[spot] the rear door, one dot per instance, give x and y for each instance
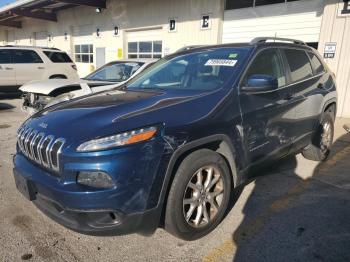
(28, 65)
(306, 84)
(7, 72)
(266, 115)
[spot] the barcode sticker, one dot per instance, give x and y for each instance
(221, 62)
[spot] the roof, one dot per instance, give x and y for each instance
(259, 41)
(29, 47)
(12, 14)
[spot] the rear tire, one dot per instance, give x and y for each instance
(321, 144)
(199, 195)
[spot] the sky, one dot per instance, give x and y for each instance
(5, 2)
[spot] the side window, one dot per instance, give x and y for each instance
(25, 57)
(58, 57)
(316, 63)
(5, 57)
(299, 64)
(268, 62)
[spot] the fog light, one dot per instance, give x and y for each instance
(95, 179)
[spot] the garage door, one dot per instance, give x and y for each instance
(298, 19)
(41, 39)
(144, 44)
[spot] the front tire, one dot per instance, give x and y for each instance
(199, 195)
(321, 143)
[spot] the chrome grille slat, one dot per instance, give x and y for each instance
(34, 135)
(37, 142)
(43, 149)
(56, 165)
(22, 139)
(25, 141)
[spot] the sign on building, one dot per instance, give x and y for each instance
(172, 25)
(329, 50)
(205, 22)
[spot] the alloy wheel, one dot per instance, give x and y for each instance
(326, 137)
(203, 196)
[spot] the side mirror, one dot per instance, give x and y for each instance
(260, 83)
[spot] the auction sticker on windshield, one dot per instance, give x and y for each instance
(221, 62)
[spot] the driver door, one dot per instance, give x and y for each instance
(266, 114)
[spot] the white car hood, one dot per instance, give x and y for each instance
(47, 86)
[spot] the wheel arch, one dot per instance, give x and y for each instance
(331, 105)
(218, 143)
(61, 76)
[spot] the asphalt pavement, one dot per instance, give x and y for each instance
(297, 210)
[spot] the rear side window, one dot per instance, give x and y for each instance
(5, 57)
(268, 62)
(299, 64)
(316, 63)
(25, 57)
(58, 57)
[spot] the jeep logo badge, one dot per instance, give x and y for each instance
(43, 125)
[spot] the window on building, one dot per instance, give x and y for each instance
(236, 4)
(145, 49)
(5, 57)
(58, 57)
(84, 53)
(25, 57)
(269, 63)
(316, 63)
(299, 64)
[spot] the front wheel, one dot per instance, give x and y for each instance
(199, 195)
(321, 144)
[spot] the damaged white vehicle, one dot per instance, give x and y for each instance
(40, 94)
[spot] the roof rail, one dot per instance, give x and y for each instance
(28, 46)
(258, 40)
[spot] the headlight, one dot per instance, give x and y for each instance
(126, 138)
(95, 179)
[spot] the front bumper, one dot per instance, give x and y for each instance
(133, 206)
(99, 222)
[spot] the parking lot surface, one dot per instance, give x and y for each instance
(298, 210)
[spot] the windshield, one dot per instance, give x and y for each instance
(116, 72)
(203, 70)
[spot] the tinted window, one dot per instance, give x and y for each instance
(316, 63)
(299, 64)
(25, 57)
(205, 70)
(235, 4)
(58, 57)
(268, 62)
(117, 72)
(268, 2)
(5, 57)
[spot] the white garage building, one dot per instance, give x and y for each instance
(94, 32)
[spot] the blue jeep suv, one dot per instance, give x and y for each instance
(168, 148)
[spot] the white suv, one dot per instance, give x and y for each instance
(19, 65)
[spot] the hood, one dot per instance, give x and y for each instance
(116, 111)
(48, 86)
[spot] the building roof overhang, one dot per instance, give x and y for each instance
(11, 15)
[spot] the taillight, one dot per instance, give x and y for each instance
(74, 67)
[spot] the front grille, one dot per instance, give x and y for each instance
(42, 148)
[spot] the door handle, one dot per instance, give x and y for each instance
(40, 67)
(8, 68)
